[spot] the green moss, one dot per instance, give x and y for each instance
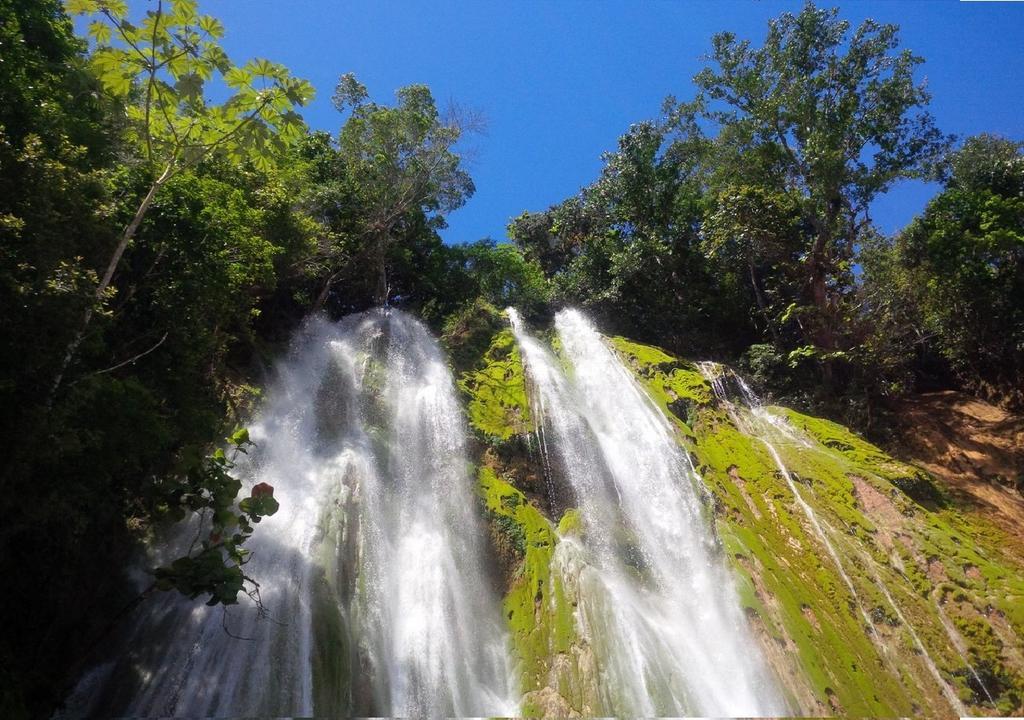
(668, 378)
(538, 613)
(807, 598)
(885, 519)
(804, 602)
(496, 391)
(468, 333)
(864, 455)
(571, 523)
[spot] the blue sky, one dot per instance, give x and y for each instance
(559, 82)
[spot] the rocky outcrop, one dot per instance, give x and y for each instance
(555, 670)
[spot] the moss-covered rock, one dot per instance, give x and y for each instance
(537, 604)
(539, 617)
(571, 523)
(468, 333)
(496, 391)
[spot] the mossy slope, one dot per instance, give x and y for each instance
(952, 576)
(496, 391)
(537, 605)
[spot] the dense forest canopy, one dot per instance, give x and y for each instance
(157, 247)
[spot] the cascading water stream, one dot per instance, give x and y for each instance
(958, 643)
(434, 638)
(763, 425)
(656, 602)
(373, 567)
(929, 662)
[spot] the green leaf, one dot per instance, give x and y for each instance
(189, 86)
(80, 7)
(183, 12)
(237, 77)
(262, 67)
(100, 32)
(226, 518)
(259, 507)
(211, 26)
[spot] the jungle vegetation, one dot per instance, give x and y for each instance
(158, 248)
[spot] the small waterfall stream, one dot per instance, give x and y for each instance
(763, 426)
(767, 428)
(657, 604)
(373, 569)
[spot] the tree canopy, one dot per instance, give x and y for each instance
(829, 118)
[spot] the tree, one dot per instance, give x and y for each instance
(965, 256)
(760, 230)
(503, 276)
(56, 138)
(837, 118)
(159, 70)
(125, 443)
(405, 170)
(628, 245)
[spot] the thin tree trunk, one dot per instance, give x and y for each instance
(108, 276)
(763, 305)
(822, 333)
(325, 291)
(383, 291)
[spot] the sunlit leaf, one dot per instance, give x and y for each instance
(212, 26)
(100, 32)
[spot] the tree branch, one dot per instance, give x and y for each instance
(129, 361)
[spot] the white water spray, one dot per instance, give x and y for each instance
(658, 606)
(373, 567)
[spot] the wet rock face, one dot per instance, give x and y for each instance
(952, 570)
(332, 407)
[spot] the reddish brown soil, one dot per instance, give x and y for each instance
(974, 448)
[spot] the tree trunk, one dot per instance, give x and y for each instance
(101, 289)
(383, 290)
(763, 305)
(325, 291)
(822, 334)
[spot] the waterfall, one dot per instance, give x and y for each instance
(656, 601)
(373, 569)
(767, 428)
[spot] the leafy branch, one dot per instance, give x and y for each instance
(158, 70)
(214, 564)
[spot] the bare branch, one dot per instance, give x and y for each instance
(224, 626)
(130, 360)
